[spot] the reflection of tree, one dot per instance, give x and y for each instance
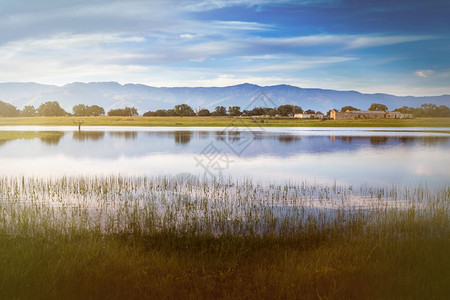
(220, 135)
(203, 134)
(182, 137)
(378, 140)
(283, 138)
(406, 139)
(234, 136)
(128, 135)
(52, 139)
(434, 140)
(347, 139)
(83, 136)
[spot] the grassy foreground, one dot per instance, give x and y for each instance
(151, 238)
(223, 122)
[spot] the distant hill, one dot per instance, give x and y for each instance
(114, 95)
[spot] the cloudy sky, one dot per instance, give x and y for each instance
(400, 47)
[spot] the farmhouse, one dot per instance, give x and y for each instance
(309, 116)
(367, 114)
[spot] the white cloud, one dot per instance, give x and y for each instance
(424, 73)
(239, 25)
(376, 41)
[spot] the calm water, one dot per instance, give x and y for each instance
(347, 155)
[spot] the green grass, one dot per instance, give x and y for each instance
(115, 237)
(223, 122)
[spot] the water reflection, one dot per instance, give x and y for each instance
(84, 136)
(378, 140)
(52, 139)
(128, 135)
(288, 138)
(284, 156)
(182, 137)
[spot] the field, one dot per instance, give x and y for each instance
(116, 237)
(223, 122)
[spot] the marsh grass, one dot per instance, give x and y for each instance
(140, 237)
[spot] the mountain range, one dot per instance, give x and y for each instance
(111, 95)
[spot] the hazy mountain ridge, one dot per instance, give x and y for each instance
(114, 95)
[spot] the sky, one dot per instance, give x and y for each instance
(372, 46)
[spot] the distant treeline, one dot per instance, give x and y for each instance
(426, 110)
(52, 108)
(219, 111)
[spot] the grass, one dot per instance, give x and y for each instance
(223, 122)
(116, 237)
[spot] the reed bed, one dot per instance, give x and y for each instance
(229, 238)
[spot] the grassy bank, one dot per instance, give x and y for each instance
(150, 237)
(223, 122)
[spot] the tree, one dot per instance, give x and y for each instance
(220, 111)
(96, 111)
(297, 109)
(149, 114)
(29, 111)
(183, 110)
(204, 112)
(86, 111)
(378, 107)
(310, 111)
(123, 112)
(234, 111)
(286, 110)
(8, 110)
(426, 110)
(51, 109)
(80, 110)
(350, 108)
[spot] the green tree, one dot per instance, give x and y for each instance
(96, 111)
(88, 111)
(29, 111)
(51, 109)
(234, 111)
(8, 110)
(378, 107)
(310, 111)
(350, 108)
(204, 112)
(183, 110)
(80, 110)
(297, 109)
(123, 112)
(286, 110)
(220, 111)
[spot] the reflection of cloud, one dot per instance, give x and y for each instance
(423, 170)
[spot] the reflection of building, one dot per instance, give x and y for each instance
(309, 116)
(367, 114)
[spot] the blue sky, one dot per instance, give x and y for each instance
(397, 47)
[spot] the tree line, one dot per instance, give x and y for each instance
(233, 111)
(52, 108)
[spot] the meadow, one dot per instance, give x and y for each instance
(140, 237)
(222, 122)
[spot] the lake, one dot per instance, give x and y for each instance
(351, 156)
